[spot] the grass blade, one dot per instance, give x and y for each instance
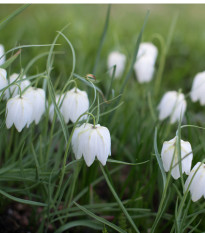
(6, 20)
(102, 39)
(21, 200)
(159, 158)
(84, 223)
(100, 219)
(118, 200)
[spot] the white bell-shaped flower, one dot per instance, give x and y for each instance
(198, 88)
(169, 152)
(19, 111)
(144, 69)
(145, 62)
(37, 98)
(90, 142)
(59, 99)
(14, 89)
(2, 59)
(172, 104)
(75, 104)
(116, 59)
(197, 185)
(148, 49)
(3, 81)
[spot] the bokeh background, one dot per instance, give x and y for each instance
(38, 25)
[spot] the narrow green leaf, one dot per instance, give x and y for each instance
(21, 200)
(6, 20)
(100, 219)
(159, 158)
(78, 223)
(118, 200)
(102, 39)
(125, 163)
(8, 62)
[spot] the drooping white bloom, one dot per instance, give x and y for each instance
(197, 186)
(169, 152)
(198, 88)
(14, 89)
(37, 98)
(2, 59)
(59, 99)
(90, 142)
(3, 80)
(75, 104)
(118, 59)
(144, 69)
(145, 62)
(172, 104)
(19, 111)
(148, 49)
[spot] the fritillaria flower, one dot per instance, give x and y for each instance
(37, 98)
(198, 88)
(3, 80)
(145, 62)
(2, 59)
(116, 59)
(19, 111)
(91, 141)
(75, 104)
(172, 105)
(170, 156)
(196, 180)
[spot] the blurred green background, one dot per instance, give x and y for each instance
(38, 25)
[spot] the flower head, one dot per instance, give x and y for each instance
(75, 104)
(197, 185)
(2, 59)
(144, 65)
(3, 80)
(170, 152)
(37, 98)
(14, 89)
(172, 104)
(19, 111)
(90, 142)
(118, 59)
(198, 88)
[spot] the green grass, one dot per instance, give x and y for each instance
(37, 166)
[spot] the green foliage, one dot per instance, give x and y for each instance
(132, 193)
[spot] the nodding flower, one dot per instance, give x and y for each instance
(91, 141)
(195, 182)
(170, 156)
(173, 105)
(117, 59)
(145, 62)
(19, 111)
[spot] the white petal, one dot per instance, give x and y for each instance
(147, 49)
(3, 59)
(144, 69)
(166, 104)
(116, 59)
(75, 104)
